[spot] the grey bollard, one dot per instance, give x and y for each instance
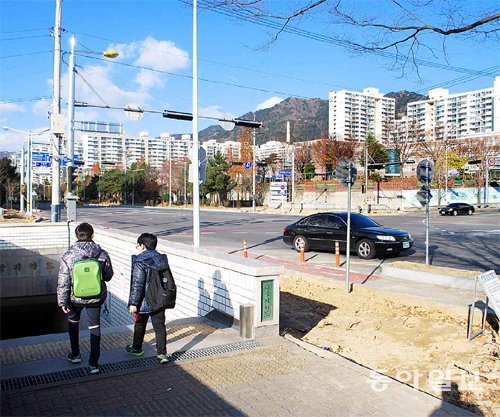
(247, 321)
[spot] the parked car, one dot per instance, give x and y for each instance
(368, 238)
(454, 209)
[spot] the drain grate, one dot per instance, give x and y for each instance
(59, 376)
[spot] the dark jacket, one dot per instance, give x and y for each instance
(142, 266)
(79, 250)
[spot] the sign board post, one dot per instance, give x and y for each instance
(347, 173)
(491, 286)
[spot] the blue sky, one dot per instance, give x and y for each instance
(158, 34)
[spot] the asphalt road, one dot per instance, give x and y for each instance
(466, 242)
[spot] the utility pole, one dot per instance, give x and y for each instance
(196, 143)
(170, 171)
(253, 168)
(21, 193)
(30, 174)
(71, 118)
(55, 118)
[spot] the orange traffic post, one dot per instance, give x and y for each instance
(337, 253)
(245, 250)
(302, 256)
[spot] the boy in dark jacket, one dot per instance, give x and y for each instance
(142, 266)
(85, 247)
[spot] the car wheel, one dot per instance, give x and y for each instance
(442, 214)
(365, 249)
(299, 242)
(455, 213)
(469, 212)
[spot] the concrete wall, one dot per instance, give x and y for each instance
(29, 258)
(207, 281)
(336, 199)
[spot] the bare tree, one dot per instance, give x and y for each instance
(403, 138)
(401, 27)
(302, 157)
(478, 150)
(327, 152)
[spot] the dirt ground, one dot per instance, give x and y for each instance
(13, 216)
(418, 342)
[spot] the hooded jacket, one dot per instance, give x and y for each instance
(82, 249)
(142, 266)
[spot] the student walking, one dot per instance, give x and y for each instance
(147, 268)
(85, 268)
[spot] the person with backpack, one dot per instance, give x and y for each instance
(84, 270)
(152, 290)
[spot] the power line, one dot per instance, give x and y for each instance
(261, 21)
(26, 54)
(21, 100)
(24, 30)
(24, 37)
(199, 79)
(457, 81)
(213, 62)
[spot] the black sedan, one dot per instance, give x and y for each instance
(454, 209)
(368, 238)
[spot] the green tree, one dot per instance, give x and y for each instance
(376, 151)
(309, 171)
(111, 184)
(218, 181)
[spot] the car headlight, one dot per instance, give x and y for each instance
(409, 236)
(386, 238)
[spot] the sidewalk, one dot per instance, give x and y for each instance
(373, 279)
(219, 375)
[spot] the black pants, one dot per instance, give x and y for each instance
(94, 315)
(158, 321)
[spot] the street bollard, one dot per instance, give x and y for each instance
(302, 256)
(247, 321)
(337, 253)
(245, 250)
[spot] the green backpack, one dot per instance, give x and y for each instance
(86, 278)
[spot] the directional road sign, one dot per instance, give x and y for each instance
(248, 165)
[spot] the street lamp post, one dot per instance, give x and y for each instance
(71, 110)
(29, 165)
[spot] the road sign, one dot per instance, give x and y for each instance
(248, 165)
(425, 171)
(285, 172)
(277, 190)
(40, 156)
(493, 162)
(233, 191)
(346, 170)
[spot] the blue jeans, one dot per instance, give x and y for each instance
(94, 315)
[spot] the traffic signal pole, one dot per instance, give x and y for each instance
(427, 217)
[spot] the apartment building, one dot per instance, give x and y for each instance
(112, 149)
(271, 147)
(456, 115)
(352, 115)
(225, 148)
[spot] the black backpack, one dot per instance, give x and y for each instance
(161, 291)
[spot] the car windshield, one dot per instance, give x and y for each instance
(358, 221)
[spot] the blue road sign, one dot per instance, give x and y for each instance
(40, 157)
(248, 165)
(285, 172)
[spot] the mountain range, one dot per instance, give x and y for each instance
(308, 119)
